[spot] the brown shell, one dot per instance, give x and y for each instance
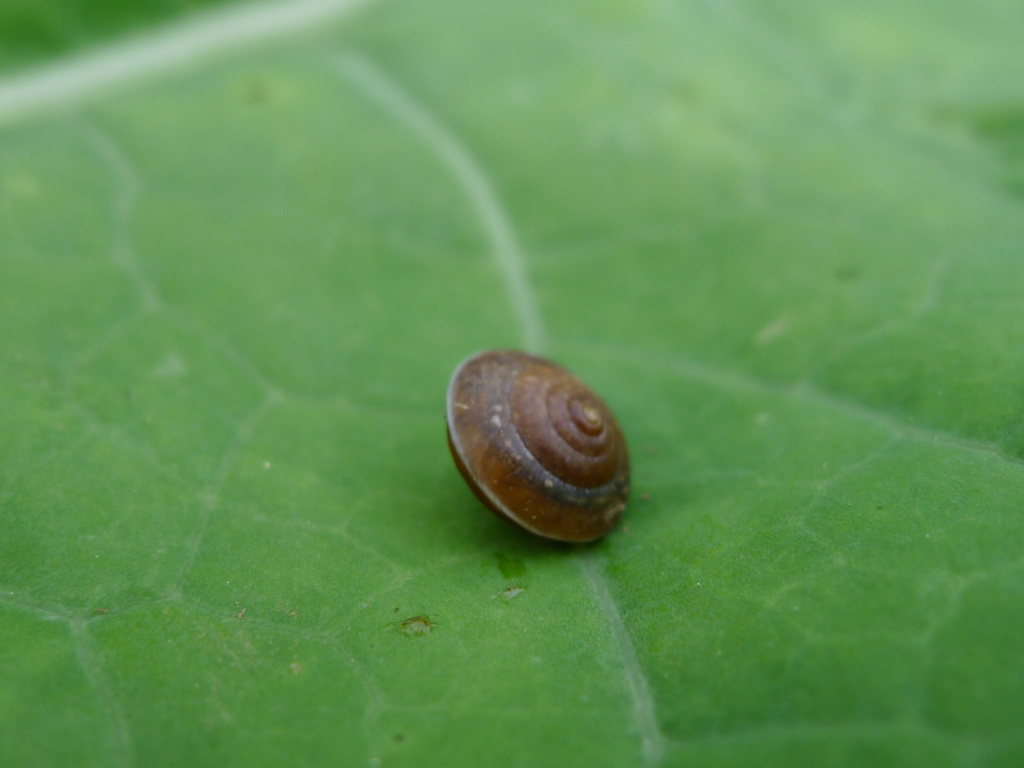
(537, 445)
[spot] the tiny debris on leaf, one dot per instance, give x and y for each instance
(416, 625)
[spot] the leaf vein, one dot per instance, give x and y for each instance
(94, 672)
(740, 381)
(651, 737)
(130, 187)
(200, 36)
(457, 157)
(208, 497)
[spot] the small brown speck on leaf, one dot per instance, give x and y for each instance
(416, 625)
(645, 497)
(511, 593)
(848, 272)
(256, 91)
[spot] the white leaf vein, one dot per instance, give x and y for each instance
(457, 157)
(82, 76)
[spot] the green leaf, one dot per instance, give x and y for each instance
(241, 254)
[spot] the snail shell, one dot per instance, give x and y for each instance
(537, 445)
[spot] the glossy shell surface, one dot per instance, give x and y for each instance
(537, 446)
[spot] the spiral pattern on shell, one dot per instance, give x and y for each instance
(537, 445)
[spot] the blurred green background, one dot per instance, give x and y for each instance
(243, 248)
(34, 30)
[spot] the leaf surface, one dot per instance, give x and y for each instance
(782, 239)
